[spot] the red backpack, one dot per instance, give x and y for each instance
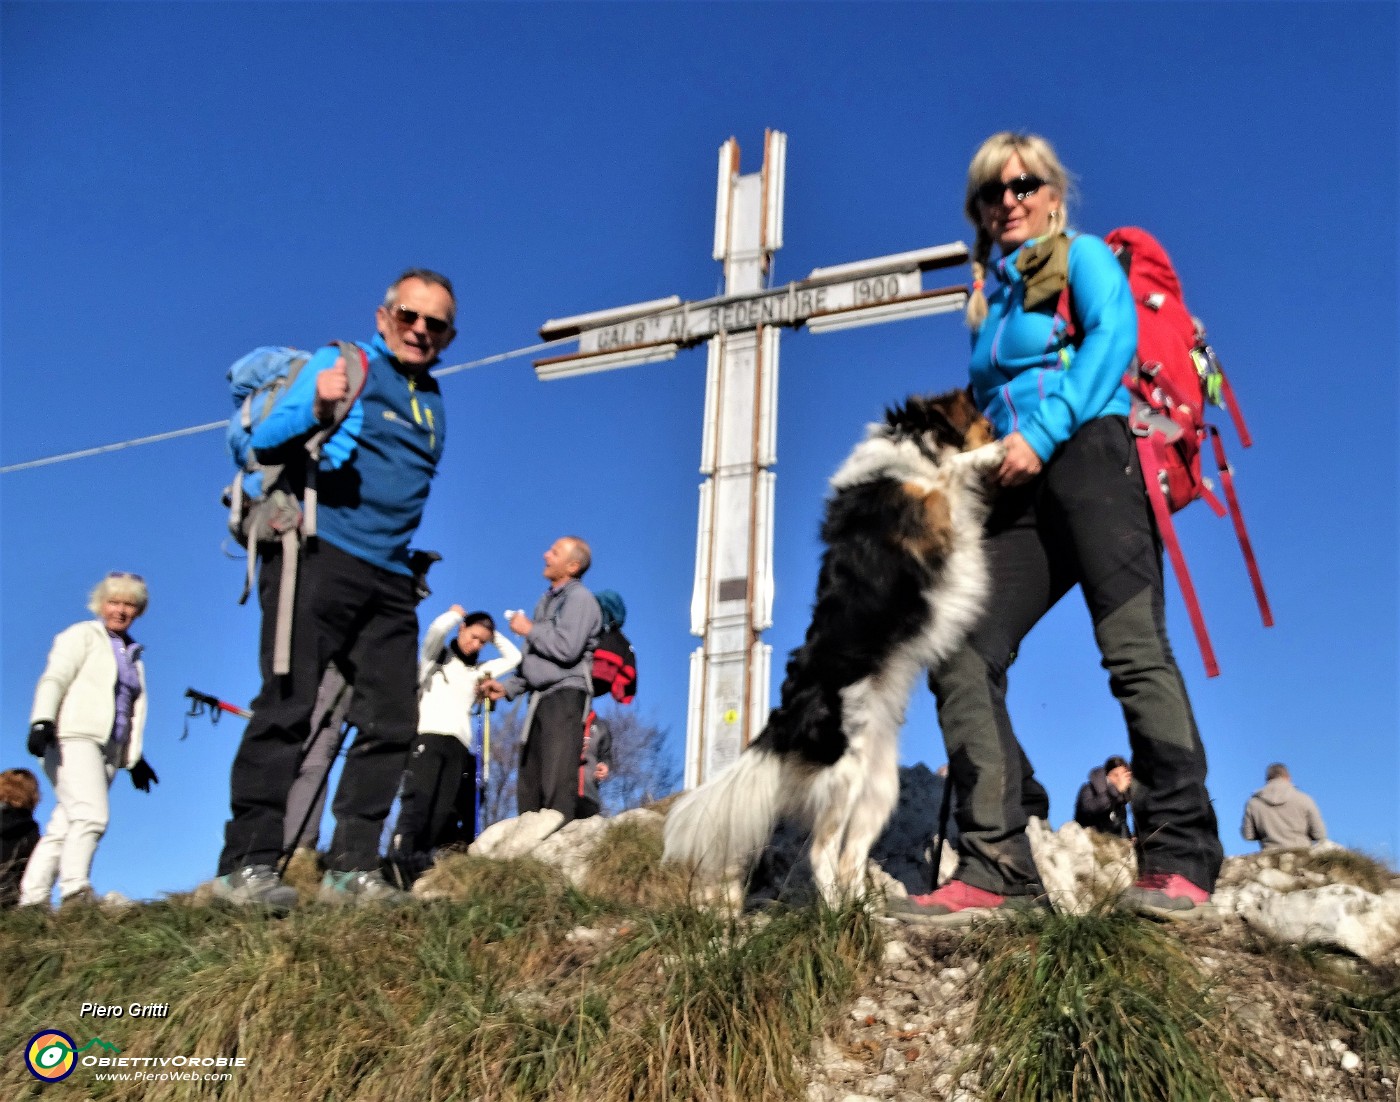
(1175, 374)
(615, 667)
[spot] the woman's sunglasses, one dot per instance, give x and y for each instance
(127, 574)
(1021, 187)
(408, 318)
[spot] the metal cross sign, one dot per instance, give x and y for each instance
(732, 603)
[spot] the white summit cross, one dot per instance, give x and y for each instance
(732, 603)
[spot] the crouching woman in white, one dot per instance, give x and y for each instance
(89, 712)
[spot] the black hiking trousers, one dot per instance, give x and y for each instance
(438, 803)
(1084, 520)
(366, 618)
(549, 760)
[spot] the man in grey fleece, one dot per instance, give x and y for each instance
(1279, 816)
(556, 669)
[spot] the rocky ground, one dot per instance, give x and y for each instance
(904, 1038)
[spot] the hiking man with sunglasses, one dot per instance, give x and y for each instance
(355, 598)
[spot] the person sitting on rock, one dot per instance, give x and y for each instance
(1280, 816)
(1102, 803)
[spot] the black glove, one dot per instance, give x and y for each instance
(143, 776)
(41, 734)
(420, 562)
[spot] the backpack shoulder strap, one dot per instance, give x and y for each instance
(357, 371)
(1064, 308)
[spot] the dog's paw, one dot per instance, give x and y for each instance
(985, 459)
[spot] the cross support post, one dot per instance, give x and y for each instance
(732, 601)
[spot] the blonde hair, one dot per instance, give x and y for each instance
(119, 587)
(1039, 157)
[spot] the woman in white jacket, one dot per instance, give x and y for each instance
(438, 800)
(87, 721)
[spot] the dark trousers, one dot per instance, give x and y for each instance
(438, 804)
(550, 758)
(366, 619)
(1084, 520)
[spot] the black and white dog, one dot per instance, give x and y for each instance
(902, 581)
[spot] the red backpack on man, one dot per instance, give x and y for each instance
(1175, 374)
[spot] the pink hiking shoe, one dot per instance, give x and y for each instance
(958, 903)
(1167, 895)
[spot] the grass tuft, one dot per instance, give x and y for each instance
(626, 868)
(1098, 1006)
(1346, 866)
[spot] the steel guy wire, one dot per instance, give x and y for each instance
(210, 426)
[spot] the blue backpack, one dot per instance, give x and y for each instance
(276, 502)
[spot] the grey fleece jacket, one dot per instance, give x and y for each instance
(1279, 816)
(558, 652)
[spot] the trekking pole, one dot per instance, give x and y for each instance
(945, 807)
(200, 703)
(340, 698)
(486, 709)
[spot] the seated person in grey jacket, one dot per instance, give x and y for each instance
(1279, 816)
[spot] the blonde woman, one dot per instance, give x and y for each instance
(87, 721)
(1072, 511)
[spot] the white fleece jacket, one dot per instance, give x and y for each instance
(448, 691)
(78, 689)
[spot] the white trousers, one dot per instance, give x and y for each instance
(81, 772)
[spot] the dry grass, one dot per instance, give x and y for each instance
(1102, 1006)
(517, 987)
(626, 868)
(1345, 866)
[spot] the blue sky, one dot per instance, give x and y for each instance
(183, 182)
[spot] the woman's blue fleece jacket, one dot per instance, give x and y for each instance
(1028, 378)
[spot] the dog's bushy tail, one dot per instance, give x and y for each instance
(722, 824)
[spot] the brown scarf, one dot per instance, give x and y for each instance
(1044, 268)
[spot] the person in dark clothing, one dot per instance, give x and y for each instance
(595, 766)
(19, 833)
(557, 671)
(1102, 803)
(438, 800)
(355, 601)
(1072, 512)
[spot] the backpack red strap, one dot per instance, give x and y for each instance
(1227, 482)
(1152, 455)
(1228, 393)
(1208, 496)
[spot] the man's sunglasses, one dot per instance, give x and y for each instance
(406, 317)
(1022, 187)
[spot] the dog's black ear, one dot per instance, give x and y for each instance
(941, 425)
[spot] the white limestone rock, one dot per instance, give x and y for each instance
(1338, 914)
(516, 837)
